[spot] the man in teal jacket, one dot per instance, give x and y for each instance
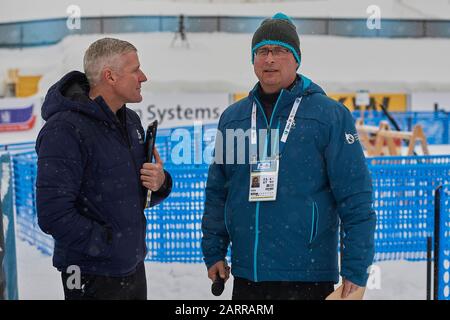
(281, 208)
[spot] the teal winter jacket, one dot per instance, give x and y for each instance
(323, 180)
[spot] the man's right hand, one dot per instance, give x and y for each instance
(220, 268)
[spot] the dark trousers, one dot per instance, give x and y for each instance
(94, 287)
(244, 289)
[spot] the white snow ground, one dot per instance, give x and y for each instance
(221, 62)
(38, 280)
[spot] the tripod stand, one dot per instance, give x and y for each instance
(180, 33)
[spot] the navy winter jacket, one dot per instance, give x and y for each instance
(89, 193)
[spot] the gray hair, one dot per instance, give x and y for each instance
(102, 53)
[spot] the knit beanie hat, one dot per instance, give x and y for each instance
(278, 30)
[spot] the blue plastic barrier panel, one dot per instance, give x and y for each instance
(10, 261)
(444, 245)
(403, 193)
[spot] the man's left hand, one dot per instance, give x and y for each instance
(349, 287)
(152, 174)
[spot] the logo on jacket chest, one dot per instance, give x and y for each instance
(139, 136)
(351, 138)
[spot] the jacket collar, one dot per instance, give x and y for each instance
(301, 88)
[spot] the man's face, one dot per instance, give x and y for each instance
(275, 67)
(129, 78)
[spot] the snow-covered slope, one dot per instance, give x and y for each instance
(220, 62)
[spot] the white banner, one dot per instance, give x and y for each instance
(20, 119)
(170, 109)
(180, 109)
(425, 101)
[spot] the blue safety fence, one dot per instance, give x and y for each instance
(24, 166)
(435, 125)
(403, 200)
(186, 144)
(404, 203)
(174, 227)
(444, 243)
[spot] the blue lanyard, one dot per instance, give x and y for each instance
(286, 131)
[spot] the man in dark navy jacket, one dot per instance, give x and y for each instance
(92, 177)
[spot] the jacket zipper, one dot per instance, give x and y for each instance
(269, 125)
(126, 137)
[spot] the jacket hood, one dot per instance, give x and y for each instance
(71, 93)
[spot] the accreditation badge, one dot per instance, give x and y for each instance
(263, 180)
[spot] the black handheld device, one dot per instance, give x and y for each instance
(150, 138)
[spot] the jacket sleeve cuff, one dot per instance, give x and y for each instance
(164, 191)
(358, 279)
(210, 261)
(166, 187)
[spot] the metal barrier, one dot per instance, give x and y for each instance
(51, 31)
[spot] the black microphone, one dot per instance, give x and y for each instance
(218, 286)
